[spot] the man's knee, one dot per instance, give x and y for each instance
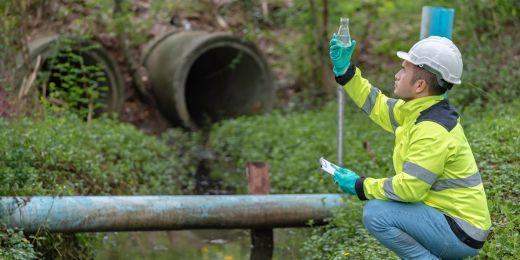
(373, 213)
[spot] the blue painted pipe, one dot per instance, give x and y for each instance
(437, 21)
(135, 213)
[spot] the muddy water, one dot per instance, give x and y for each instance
(196, 244)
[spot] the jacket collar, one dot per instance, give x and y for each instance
(411, 109)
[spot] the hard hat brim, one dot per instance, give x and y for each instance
(405, 56)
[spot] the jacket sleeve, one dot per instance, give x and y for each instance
(381, 109)
(424, 162)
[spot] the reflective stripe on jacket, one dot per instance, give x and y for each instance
(432, 159)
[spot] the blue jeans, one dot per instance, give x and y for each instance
(413, 230)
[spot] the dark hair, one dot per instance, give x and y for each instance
(431, 80)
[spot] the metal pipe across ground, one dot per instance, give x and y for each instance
(137, 213)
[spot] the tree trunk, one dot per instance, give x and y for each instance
(327, 76)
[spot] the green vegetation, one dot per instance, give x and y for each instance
(487, 99)
(66, 156)
(63, 156)
(292, 144)
(14, 245)
(494, 135)
(57, 153)
(70, 84)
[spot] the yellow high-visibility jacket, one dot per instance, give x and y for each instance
(432, 158)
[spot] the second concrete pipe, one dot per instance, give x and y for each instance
(199, 77)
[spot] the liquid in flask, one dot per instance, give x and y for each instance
(343, 32)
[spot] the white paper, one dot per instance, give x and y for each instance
(327, 166)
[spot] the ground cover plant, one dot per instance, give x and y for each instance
(51, 151)
(67, 156)
(292, 144)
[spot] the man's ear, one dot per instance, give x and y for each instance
(420, 86)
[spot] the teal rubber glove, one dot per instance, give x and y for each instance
(340, 55)
(346, 180)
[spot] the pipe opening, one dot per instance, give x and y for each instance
(74, 78)
(223, 82)
(77, 73)
(199, 78)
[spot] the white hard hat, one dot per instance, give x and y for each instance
(438, 54)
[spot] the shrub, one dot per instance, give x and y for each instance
(64, 156)
(292, 143)
(67, 156)
(14, 245)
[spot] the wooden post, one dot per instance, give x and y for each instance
(258, 183)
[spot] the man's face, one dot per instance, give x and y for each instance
(404, 88)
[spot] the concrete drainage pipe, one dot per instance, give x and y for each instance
(199, 77)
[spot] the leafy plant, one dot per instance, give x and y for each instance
(14, 245)
(292, 143)
(70, 83)
(66, 156)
